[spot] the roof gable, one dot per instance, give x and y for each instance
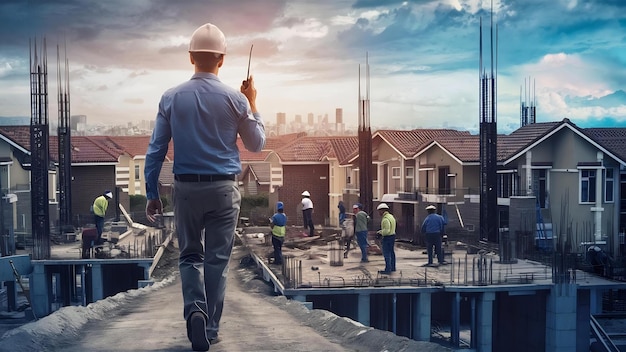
(585, 135)
(409, 143)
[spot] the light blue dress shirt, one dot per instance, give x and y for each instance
(203, 116)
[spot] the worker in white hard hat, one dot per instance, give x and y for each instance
(307, 213)
(204, 117)
(433, 229)
(388, 233)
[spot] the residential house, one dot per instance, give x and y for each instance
(313, 164)
(577, 177)
(93, 171)
(404, 167)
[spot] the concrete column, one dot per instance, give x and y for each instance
(394, 313)
(39, 287)
(146, 271)
(595, 301)
(484, 322)
(529, 173)
(455, 321)
(561, 318)
(11, 287)
(97, 285)
(599, 198)
(363, 309)
(421, 315)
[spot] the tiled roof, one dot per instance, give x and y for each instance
(345, 148)
(613, 139)
(84, 150)
(130, 145)
(523, 136)
(465, 149)
(273, 143)
(20, 135)
(317, 148)
(408, 143)
(261, 171)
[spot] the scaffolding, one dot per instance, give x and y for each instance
(365, 143)
(39, 149)
(488, 144)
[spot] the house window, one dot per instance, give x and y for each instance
(395, 172)
(136, 172)
(507, 184)
(540, 187)
(587, 186)
(608, 185)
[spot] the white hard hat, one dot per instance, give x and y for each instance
(382, 206)
(208, 38)
(431, 207)
(306, 194)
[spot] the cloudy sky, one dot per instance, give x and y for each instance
(423, 56)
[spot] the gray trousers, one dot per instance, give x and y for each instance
(205, 211)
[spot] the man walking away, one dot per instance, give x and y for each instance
(388, 233)
(433, 227)
(278, 222)
(99, 208)
(360, 227)
(307, 212)
(203, 117)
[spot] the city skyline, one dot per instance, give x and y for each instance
(423, 56)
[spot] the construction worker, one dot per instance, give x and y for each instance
(99, 209)
(360, 227)
(278, 222)
(388, 233)
(433, 228)
(307, 212)
(203, 117)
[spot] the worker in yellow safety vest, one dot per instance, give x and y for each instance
(99, 209)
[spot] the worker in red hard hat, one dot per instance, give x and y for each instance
(204, 117)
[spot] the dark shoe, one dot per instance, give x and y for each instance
(432, 265)
(197, 324)
(383, 272)
(443, 263)
(365, 261)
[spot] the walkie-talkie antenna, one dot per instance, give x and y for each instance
(249, 59)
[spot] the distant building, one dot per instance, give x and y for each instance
(78, 123)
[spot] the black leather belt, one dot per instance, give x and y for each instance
(203, 178)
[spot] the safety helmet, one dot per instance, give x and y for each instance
(208, 38)
(431, 207)
(108, 194)
(306, 194)
(382, 206)
(279, 205)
